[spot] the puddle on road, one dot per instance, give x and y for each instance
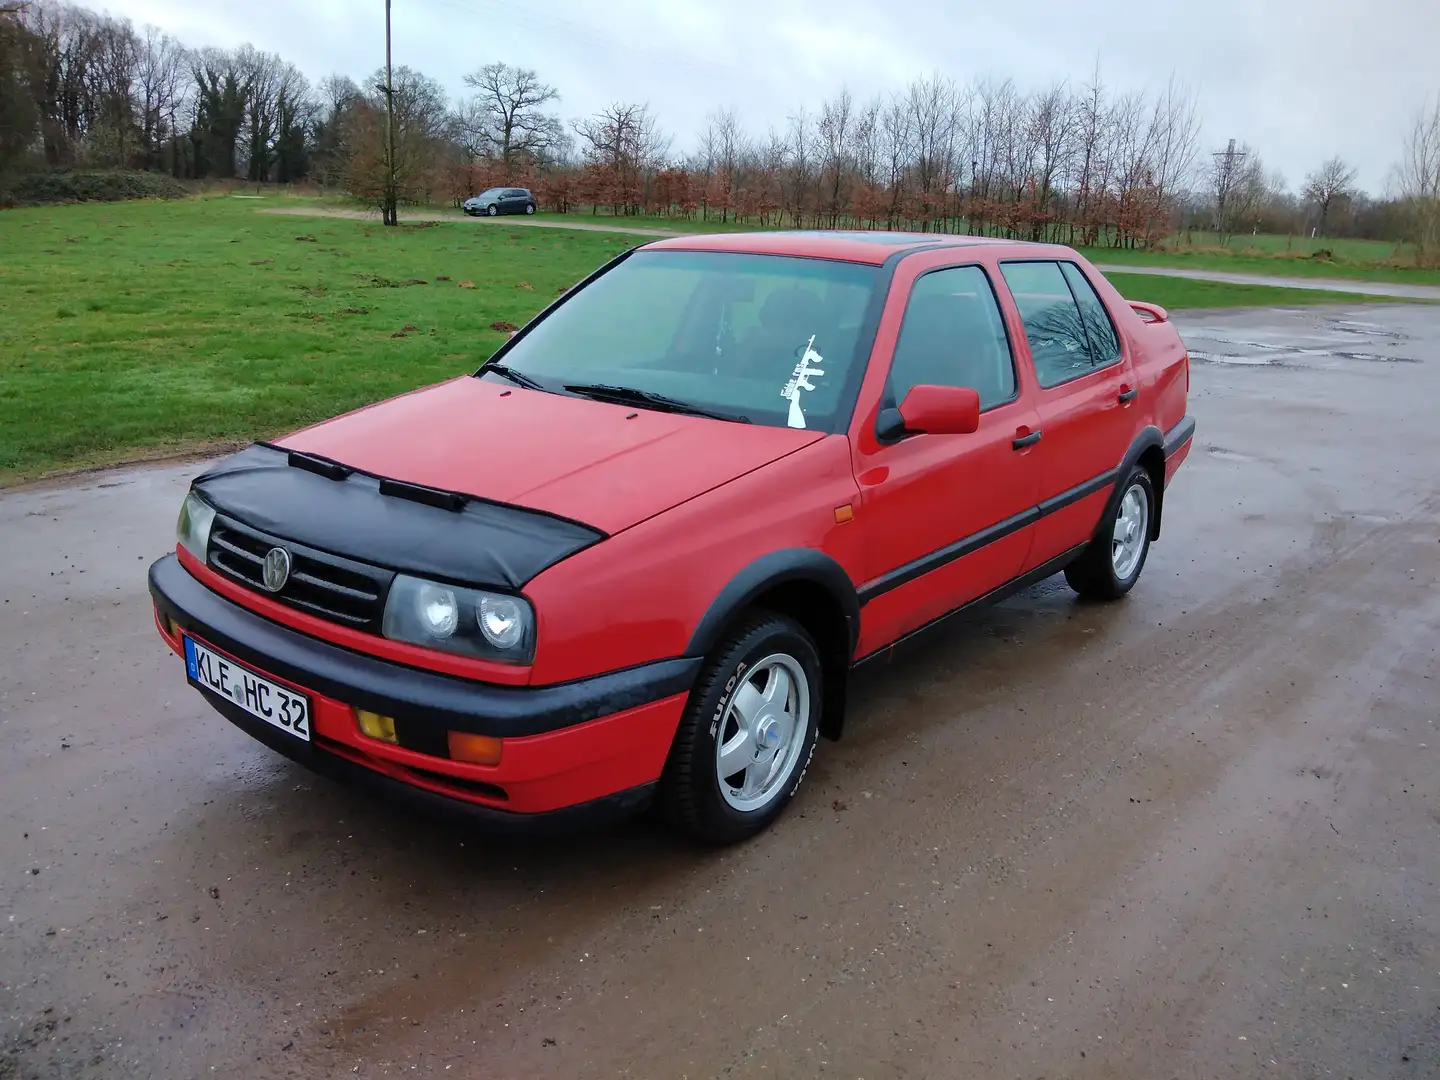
(1369, 329)
(1379, 358)
(1226, 455)
(1233, 358)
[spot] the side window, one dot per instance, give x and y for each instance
(953, 335)
(1104, 344)
(1052, 320)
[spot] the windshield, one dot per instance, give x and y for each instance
(769, 338)
(490, 193)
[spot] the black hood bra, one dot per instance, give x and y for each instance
(388, 523)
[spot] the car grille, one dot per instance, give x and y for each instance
(341, 590)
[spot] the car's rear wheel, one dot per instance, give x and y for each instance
(1111, 564)
(748, 732)
(530, 208)
(493, 209)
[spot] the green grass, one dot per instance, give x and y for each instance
(143, 327)
(136, 329)
(1275, 264)
(1178, 294)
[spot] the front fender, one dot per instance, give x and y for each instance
(766, 573)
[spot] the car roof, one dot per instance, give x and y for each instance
(843, 245)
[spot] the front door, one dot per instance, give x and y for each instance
(1084, 400)
(946, 517)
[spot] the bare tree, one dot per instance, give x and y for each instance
(623, 145)
(834, 132)
(798, 174)
(1174, 140)
(159, 87)
(1417, 177)
(1332, 182)
(20, 72)
(337, 98)
(1050, 139)
(722, 149)
(507, 120)
(424, 131)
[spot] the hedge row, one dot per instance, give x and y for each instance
(115, 185)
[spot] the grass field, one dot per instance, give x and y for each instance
(137, 329)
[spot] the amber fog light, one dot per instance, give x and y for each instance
(377, 726)
(476, 749)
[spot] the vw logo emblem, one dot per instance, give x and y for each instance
(276, 570)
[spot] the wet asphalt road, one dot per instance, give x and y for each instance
(1193, 834)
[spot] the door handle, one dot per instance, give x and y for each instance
(1022, 441)
(1128, 395)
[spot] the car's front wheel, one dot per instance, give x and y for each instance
(493, 209)
(1111, 564)
(747, 733)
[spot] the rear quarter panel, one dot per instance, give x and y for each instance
(1162, 367)
(639, 595)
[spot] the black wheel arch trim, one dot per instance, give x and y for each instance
(397, 690)
(1149, 438)
(765, 573)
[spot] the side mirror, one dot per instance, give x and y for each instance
(937, 410)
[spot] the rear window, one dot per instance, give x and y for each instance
(772, 338)
(1053, 326)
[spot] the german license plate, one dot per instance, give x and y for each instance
(257, 695)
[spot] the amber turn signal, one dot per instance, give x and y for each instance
(377, 726)
(476, 749)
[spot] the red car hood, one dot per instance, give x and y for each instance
(604, 465)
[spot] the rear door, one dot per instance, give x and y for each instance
(946, 517)
(1085, 399)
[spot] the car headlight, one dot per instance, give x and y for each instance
(192, 531)
(468, 621)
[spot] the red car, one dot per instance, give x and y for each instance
(636, 555)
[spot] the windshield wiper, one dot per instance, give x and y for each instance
(519, 378)
(628, 395)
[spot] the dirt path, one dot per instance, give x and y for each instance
(457, 218)
(1192, 834)
(1369, 288)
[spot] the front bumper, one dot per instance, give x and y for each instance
(595, 746)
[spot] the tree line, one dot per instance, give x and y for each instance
(1083, 164)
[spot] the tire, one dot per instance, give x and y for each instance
(693, 793)
(1109, 567)
(530, 208)
(493, 210)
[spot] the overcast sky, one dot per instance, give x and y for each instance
(1297, 79)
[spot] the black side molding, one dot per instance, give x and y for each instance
(398, 690)
(995, 596)
(1179, 435)
(903, 575)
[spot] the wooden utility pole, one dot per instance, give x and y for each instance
(388, 210)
